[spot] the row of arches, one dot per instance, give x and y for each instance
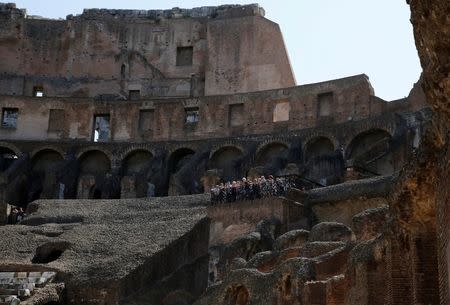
(96, 160)
(226, 159)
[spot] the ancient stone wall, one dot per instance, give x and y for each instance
(431, 31)
(46, 169)
(48, 118)
(231, 220)
(121, 54)
(239, 50)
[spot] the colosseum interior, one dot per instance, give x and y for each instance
(116, 124)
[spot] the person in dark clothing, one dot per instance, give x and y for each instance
(256, 188)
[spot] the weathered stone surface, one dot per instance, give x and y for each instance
(290, 239)
(155, 251)
(330, 231)
(370, 223)
(104, 246)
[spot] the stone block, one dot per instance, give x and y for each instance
(35, 274)
(290, 239)
(331, 231)
(49, 275)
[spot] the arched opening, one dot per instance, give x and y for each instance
(49, 252)
(43, 164)
(136, 162)
(7, 157)
(270, 152)
(317, 147)
(179, 158)
(370, 153)
(45, 160)
(324, 165)
(94, 182)
(94, 162)
(225, 159)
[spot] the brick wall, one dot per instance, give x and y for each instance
(169, 115)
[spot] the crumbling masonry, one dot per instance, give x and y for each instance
(100, 107)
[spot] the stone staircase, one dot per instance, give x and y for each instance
(313, 263)
(19, 286)
(304, 267)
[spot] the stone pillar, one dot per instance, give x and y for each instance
(85, 184)
(128, 187)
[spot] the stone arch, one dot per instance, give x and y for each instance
(94, 162)
(364, 140)
(265, 153)
(360, 128)
(45, 159)
(7, 157)
(178, 157)
(136, 162)
(225, 145)
(47, 147)
(176, 161)
(95, 148)
(11, 147)
(132, 148)
(224, 159)
(318, 146)
(312, 135)
(237, 295)
(370, 150)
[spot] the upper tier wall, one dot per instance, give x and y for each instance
(223, 116)
(155, 53)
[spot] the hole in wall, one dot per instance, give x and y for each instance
(49, 252)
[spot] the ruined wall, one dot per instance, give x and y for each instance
(244, 55)
(48, 118)
(431, 30)
(339, 203)
(128, 54)
(232, 220)
(86, 169)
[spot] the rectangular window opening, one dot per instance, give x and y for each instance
(101, 128)
(236, 115)
(146, 118)
(56, 120)
(192, 115)
(38, 91)
(281, 111)
(325, 104)
(9, 117)
(184, 56)
(134, 95)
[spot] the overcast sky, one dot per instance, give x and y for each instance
(326, 39)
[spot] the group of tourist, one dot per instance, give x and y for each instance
(16, 215)
(250, 189)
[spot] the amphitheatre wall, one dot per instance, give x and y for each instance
(121, 54)
(382, 255)
(309, 106)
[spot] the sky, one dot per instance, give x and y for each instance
(325, 39)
